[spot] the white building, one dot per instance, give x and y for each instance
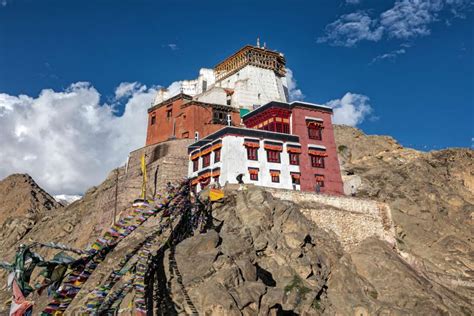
(251, 77)
(224, 155)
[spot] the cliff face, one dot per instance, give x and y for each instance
(264, 255)
(431, 196)
(23, 204)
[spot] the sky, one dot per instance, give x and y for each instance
(76, 77)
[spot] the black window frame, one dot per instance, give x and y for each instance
(273, 156)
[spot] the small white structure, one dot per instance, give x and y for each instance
(255, 156)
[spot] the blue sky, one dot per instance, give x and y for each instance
(413, 59)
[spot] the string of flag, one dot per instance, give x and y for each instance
(98, 251)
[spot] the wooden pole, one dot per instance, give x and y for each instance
(116, 193)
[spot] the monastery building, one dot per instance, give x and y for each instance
(245, 128)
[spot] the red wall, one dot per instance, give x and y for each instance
(188, 120)
(332, 173)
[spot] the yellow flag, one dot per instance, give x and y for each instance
(144, 176)
(216, 194)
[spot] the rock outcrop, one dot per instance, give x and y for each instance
(431, 195)
(23, 204)
(268, 256)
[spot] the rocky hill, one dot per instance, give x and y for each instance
(262, 255)
(22, 205)
(431, 196)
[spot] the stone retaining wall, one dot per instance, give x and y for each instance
(351, 219)
(166, 161)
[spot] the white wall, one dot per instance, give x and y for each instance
(252, 86)
(215, 95)
(234, 162)
(189, 87)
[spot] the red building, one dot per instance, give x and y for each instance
(317, 155)
(183, 117)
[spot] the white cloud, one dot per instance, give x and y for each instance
(390, 55)
(171, 46)
(294, 93)
(409, 18)
(175, 88)
(352, 28)
(353, 1)
(3, 3)
(405, 20)
(127, 89)
(64, 139)
(352, 109)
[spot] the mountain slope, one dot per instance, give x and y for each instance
(264, 256)
(22, 204)
(431, 196)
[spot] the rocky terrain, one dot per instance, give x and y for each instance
(23, 204)
(431, 196)
(263, 256)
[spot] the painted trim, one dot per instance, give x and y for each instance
(242, 132)
(313, 118)
(316, 147)
(311, 104)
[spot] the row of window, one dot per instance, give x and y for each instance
(295, 177)
(315, 131)
(206, 159)
(275, 176)
(218, 116)
(274, 156)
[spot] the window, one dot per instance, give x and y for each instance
(219, 116)
(282, 127)
(279, 127)
(273, 156)
(317, 161)
(205, 181)
(294, 158)
(217, 155)
(204, 86)
(314, 132)
(153, 120)
(253, 174)
(295, 178)
(206, 160)
(275, 176)
(319, 181)
(196, 164)
(185, 135)
(215, 174)
(252, 153)
(169, 113)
